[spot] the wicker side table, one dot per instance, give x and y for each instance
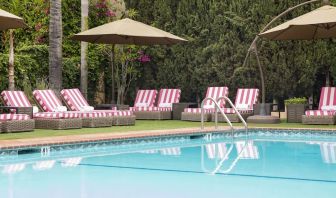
(178, 108)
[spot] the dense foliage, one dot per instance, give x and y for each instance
(219, 34)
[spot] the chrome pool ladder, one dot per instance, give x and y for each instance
(220, 110)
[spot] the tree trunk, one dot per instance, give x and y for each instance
(112, 55)
(11, 80)
(55, 45)
(84, 48)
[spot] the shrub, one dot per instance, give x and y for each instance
(302, 100)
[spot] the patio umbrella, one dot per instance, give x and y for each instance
(317, 24)
(127, 31)
(10, 21)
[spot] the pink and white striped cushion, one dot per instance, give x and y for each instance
(15, 99)
(150, 109)
(247, 97)
(319, 113)
(209, 106)
(47, 100)
(56, 115)
(215, 93)
(168, 96)
(327, 98)
(198, 110)
(110, 113)
(145, 97)
(74, 99)
(12, 116)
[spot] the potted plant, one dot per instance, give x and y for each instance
(295, 109)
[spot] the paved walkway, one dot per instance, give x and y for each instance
(44, 141)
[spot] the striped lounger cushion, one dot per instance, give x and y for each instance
(209, 106)
(15, 99)
(12, 116)
(165, 102)
(57, 115)
(327, 104)
(19, 99)
(245, 99)
(145, 100)
(75, 101)
(49, 102)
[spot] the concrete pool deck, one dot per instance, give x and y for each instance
(72, 139)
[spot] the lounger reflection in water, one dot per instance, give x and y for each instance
(172, 151)
(328, 152)
(222, 151)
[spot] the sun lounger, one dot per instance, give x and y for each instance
(245, 99)
(49, 102)
(43, 120)
(11, 122)
(194, 114)
(75, 101)
(326, 110)
(144, 107)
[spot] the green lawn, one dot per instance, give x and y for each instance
(143, 125)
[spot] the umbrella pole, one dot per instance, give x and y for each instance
(253, 48)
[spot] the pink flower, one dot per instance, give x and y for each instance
(38, 26)
(109, 13)
(144, 58)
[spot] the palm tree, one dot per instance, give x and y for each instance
(84, 48)
(55, 45)
(11, 80)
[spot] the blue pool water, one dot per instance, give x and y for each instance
(264, 164)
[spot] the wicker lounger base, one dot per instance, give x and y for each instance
(97, 122)
(232, 117)
(195, 117)
(153, 115)
(43, 123)
(17, 126)
(318, 119)
(123, 120)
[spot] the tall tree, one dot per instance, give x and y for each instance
(55, 45)
(11, 80)
(84, 48)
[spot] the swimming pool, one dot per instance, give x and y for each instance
(267, 163)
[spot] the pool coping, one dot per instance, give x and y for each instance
(85, 138)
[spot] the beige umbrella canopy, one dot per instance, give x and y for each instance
(317, 24)
(127, 31)
(10, 21)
